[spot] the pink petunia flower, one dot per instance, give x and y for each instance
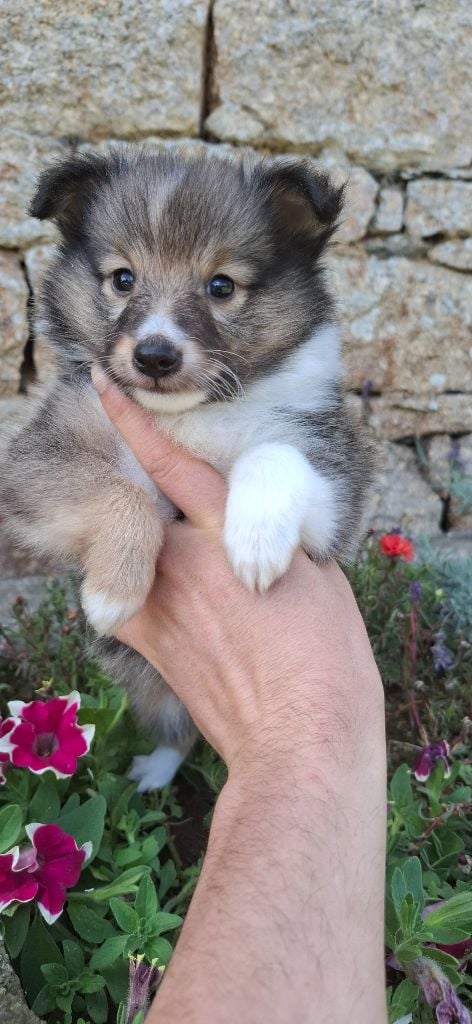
(45, 735)
(5, 727)
(428, 758)
(59, 862)
(17, 881)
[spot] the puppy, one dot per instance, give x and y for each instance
(198, 286)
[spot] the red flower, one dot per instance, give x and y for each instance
(58, 865)
(45, 735)
(394, 546)
(17, 881)
(5, 728)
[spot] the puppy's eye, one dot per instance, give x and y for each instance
(220, 287)
(123, 280)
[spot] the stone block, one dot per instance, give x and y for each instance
(22, 158)
(407, 323)
(400, 498)
(95, 70)
(385, 81)
(396, 416)
(389, 213)
(436, 205)
(457, 254)
(13, 322)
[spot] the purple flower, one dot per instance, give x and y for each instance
(415, 591)
(443, 657)
(438, 992)
(143, 979)
(428, 758)
(454, 457)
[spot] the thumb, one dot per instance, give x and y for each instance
(193, 486)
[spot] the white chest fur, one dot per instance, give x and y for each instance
(221, 432)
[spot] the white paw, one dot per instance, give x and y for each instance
(105, 613)
(276, 502)
(259, 552)
(153, 771)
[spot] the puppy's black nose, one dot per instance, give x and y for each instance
(157, 357)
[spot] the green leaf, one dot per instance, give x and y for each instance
(400, 787)
(125, 917)
(45, 1001)
(88, 924)
(39, 948)
(167, 878)
(55, 974)
(73, 957)
(402, 1001)
(124, 884)
(447, 936)
(16, 930)
(448, 964)
(455, 913)
(11, 821)
(410, 919)
(407, 952)
(463, 794)
(45, 805)
(442, 851)
(71, 804)
(111, 949)
(121, 805)
(86, 823)
(398, 889)
(102, 718)
(146, 904)
(414, 880)
(163, 922)
(158, 949)
(97, 1006)
(116, 977)
(91, 983)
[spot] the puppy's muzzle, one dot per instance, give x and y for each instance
(157, 357)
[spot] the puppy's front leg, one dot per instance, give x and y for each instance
(277, 501)
(123, 536)
(68, 502)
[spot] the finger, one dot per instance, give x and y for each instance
(193, 486)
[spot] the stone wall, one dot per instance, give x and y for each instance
(377, 92)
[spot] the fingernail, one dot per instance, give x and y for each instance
(99, 379)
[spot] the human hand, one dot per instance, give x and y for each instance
(284, 686)
(292, 666)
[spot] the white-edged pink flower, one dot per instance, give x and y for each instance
(5, 727)
(45, 735)
(59, 862)
(17, 880)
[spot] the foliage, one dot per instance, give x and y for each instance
(134, 890)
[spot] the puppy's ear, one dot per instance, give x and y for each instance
(64, 188)
(303, 197)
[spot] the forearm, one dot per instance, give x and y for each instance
(286, 924)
